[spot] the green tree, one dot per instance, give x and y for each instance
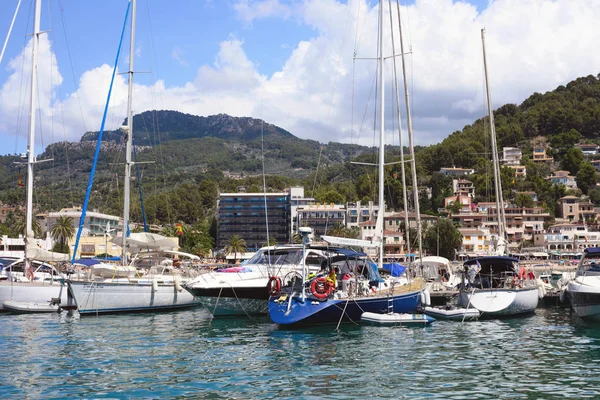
(594, 196)
(235, 244)
(271, 242)
(445, 236)
(524, 200)
(586, 177)
(62, 231)
(454, 207)
(572, 160)
(18, 226)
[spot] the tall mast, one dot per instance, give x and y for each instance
(402, 166)
(381, 214)
(411, 144)
(129, 133)
(32, 115)
(497, 182)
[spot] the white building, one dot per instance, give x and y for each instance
(511, 156)
(297, 199)
(95, 223)
(357, 213)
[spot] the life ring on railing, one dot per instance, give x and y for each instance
(321, 288)
(274, 286)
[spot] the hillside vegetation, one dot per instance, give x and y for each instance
(188, 160)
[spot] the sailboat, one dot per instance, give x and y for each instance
(34, 290)
(349, 286)
(496, 285)
(138, 293)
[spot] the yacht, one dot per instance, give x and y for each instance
(244, 289)
(584, 290)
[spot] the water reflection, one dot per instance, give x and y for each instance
(187, 353)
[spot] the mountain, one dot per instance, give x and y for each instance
(156, 127)
(172, 149)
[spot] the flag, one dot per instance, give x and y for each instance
(19, 180)
(179, 229)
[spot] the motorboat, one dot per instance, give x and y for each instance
(584, 291)
(244, 289)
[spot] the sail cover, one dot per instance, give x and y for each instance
(35, 253)
(146, 240)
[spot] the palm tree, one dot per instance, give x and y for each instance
(272, 241)
(62, 231)
(18, 227)
(235, 244)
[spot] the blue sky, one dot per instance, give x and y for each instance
(288, 61)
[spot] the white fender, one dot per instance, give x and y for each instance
(422, 294)
(177, 283)
(427, 298)
(155, 285)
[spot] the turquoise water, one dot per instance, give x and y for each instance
(185, 354)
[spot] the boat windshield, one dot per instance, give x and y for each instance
(277, 257)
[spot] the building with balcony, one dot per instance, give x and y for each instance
(539, 155)
(457, 172)
(357, 213)
(95, 224)
(588, 149)
(563, 178)
(297, 199)
(246, 215)
(322, 217)
(476, 242)
(520, 170)
(511, 156)
(463, 187)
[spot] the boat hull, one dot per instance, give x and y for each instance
(243, 297)
(584, 294)
(396, 319)
(292, 311)
(32, 292)
(18, 307)
(109, 298)
(500, 302)
(453, 314)
(231, 306)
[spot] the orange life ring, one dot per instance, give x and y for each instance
(321, 288)
(274, 286)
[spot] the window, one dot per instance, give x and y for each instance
(467, 237)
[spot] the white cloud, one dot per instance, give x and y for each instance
(177, 54)
(249, 10)
(531, 46)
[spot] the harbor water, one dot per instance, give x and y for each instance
(551, 354)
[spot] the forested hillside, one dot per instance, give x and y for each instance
(191, 159)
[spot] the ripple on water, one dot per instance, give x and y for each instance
(550, 354)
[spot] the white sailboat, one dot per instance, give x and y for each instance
(132, 293)
(495, 284)
(28, 289)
